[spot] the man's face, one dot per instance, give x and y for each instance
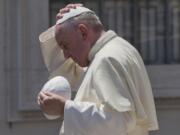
(73, 45)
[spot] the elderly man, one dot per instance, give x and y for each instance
(114, 95)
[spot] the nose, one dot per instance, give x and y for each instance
(66, 54)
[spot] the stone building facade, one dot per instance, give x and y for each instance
(152, 26)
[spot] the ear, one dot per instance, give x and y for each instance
(84, 31)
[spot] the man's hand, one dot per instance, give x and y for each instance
(51, 103)
(66, 9)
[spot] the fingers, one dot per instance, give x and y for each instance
(48, 94)
(45, 97)
(61, 12)
(74, 5)
(42, 97)
(59, 16)
(51, 103)
(64, 10)
(67, 9)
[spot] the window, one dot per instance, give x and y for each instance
(152, 26)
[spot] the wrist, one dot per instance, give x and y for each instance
(62, 106)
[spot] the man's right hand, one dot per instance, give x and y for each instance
(51, 103)
(66, 9)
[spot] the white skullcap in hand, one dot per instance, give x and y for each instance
(58, 85)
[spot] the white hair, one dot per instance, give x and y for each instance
(88, 18)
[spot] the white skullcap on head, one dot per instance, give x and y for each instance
(58, 85)
(72, 13)
(50, 49)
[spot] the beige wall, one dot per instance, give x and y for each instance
(21, 21)
(22, 126)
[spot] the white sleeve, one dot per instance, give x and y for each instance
(56, 63)
(86, 118)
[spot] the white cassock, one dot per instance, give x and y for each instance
(114, 97)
